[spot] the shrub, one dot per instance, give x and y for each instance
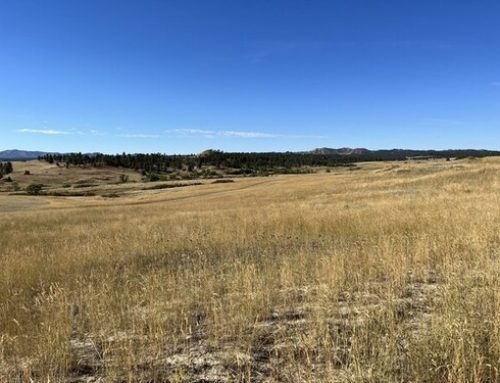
(151, 177)
(34, 189)
(123, 178)
(224, 181)
(170, 186)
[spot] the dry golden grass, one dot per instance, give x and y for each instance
(54, 176)
(57, 180)
(385, 274)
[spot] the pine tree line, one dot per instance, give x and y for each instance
(247, 163)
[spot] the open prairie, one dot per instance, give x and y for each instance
(386, 273)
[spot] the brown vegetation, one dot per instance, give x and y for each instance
(386, 274)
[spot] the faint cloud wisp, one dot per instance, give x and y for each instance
(50, 132)
(137, 135)
(222, 133)
(232, 133)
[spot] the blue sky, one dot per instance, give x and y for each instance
(260, 75)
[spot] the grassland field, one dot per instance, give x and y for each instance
(387, 273)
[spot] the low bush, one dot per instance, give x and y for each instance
(34, 189)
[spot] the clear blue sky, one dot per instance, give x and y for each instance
(255, 75)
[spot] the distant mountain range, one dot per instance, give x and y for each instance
(20, 155)
(360, 154)
(26, 155)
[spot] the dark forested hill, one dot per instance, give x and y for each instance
(212, 162)
(401, 154)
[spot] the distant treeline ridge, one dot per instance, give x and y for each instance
(248, 162)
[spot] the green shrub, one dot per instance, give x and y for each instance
(34, 189)
(152, 177)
